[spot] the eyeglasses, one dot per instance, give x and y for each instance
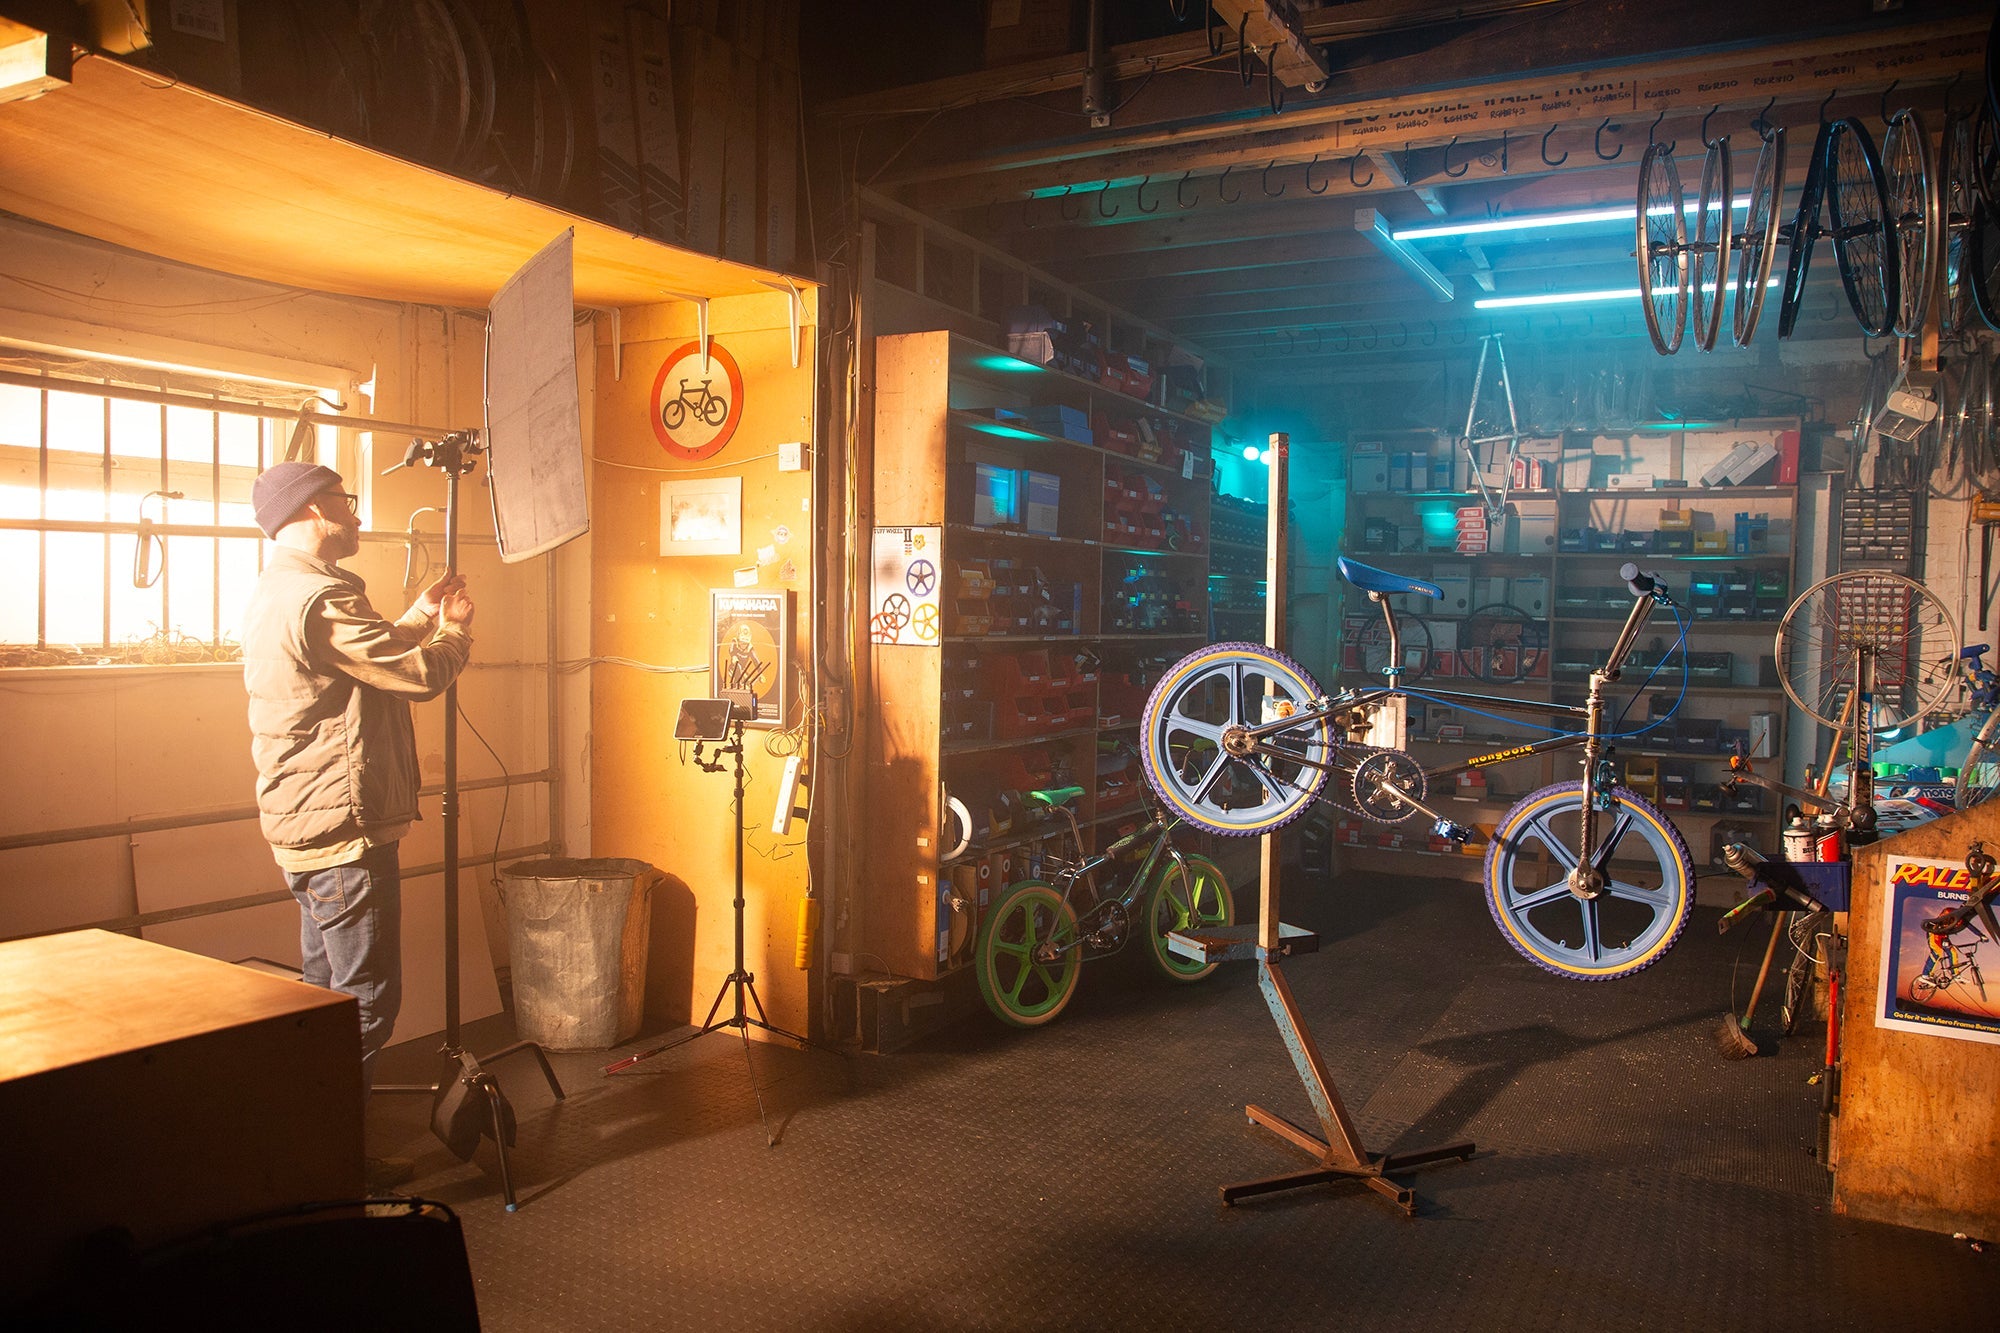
(353, 500)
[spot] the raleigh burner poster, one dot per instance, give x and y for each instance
(1935, 985)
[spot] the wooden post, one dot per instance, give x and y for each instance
(1277, 454)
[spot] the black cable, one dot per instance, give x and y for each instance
(506, 793)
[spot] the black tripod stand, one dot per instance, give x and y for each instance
(467, 1102)
(741, 982)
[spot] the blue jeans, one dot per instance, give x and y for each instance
(351, 940)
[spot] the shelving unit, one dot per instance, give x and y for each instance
(1556, 558)
(1055, 617)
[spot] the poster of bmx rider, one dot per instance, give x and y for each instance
(1938, 985)
(750, 643)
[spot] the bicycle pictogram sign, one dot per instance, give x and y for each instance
(695, 406)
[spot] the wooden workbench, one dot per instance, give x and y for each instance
(161, 1092)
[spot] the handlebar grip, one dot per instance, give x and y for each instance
(1639, 581)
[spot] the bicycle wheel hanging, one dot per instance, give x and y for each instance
(1956, 199)
(1199, 899)
(1910, 173)
(1757, 243)
(1864, 240)
(1908, 629)
(1803, 233)
(1979, 262)
(1708, 265)
(1661, 249)
(1502, 644)
(1027, 959)
(1626, 926)
(1199, 756)
(1372, 649)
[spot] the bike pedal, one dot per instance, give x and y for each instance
(1458, 833)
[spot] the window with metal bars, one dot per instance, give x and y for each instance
(126, 531)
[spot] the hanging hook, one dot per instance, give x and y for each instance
(1402, 335)
(1309, 178)
(1597, 142)
(1243, 48)
(1447, 160)
(1270, 193)
(1291, 343)
(1827, 103)
(1885, 99)
(1140, 195)
(1027, 222)
(1068, 216)
(1351, 163)
(1656, 125)
(1460, 335)
(1181, 198)
(1274, 89)
(1430, 338)
(1548, 161)
(1707, 142)
(1222, 181)
(1760, 124)
(1316, 343)
(1503, 152)
(1346, 342)
(1213, 31)
(1100, 202)
(1374, 339)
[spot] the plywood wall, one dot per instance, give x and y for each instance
(651, 802)
(91, 746)
(1918, 1138)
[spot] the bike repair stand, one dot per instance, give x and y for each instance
(740, 981)
(1337, 1150)
(459, 1100)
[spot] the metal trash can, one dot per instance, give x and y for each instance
(577, 933)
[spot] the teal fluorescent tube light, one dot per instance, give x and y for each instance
(1571, 298)
(1575, 218)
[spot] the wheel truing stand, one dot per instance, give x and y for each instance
(741, 982)
(456, 1116)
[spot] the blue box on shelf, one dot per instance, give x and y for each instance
(1069, 423)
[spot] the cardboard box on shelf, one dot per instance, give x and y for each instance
(662, 209)
(702, 77)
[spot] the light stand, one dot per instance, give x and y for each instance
(740, 981)
(458, 1100)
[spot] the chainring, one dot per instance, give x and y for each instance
(1381, 773)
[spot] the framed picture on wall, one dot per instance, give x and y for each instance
(750, 650)
(701, 516)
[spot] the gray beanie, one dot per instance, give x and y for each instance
(283, 489)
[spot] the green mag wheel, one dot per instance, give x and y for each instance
(1027, 956)
(1175, 902)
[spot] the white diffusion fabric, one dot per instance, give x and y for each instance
(534, 422)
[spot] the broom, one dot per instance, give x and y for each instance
(1730, 1038)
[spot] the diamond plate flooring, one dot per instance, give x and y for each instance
(1627, 1176)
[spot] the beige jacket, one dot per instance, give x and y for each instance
(331, 684)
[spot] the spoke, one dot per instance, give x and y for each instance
(1659, 898)
(1602, 857)
(1530, 901)
(1540, 824)
(1592, 946)
(1208, 731)
(1238, 713)
(1020, 980)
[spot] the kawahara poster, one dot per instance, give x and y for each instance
(750, 643)
(1934, 983)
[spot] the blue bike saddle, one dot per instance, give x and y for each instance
(1370, 579)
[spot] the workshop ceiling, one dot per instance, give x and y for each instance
(1243, 229)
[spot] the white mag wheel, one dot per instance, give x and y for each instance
(1199, 752)
(1909, 631)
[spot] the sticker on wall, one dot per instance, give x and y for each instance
(906, 606)
(751, 642)
(695, 407)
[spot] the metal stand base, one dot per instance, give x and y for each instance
(473, 1075)
(744, 983)
(1338, 1151)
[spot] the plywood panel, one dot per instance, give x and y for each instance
(171, 170)
(1918, 1138)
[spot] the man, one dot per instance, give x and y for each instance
(331, 683)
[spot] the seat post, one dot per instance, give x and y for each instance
(1395, 667)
